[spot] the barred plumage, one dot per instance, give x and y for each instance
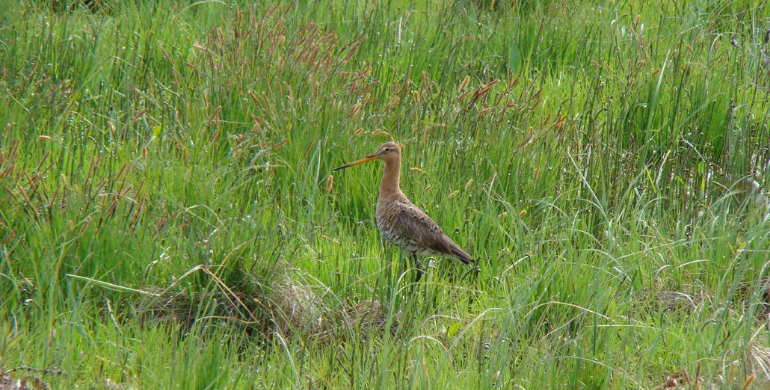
(409, 228)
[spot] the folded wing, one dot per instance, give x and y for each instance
(426, 233)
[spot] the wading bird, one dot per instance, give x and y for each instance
(400, 221)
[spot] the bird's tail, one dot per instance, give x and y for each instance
(459, 254)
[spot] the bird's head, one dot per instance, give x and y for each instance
(389, 151)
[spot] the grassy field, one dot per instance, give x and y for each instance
(168, 219)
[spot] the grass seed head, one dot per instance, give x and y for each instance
(464, 83)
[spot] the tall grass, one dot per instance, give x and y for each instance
(169, 219)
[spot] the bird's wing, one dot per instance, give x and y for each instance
(418, 226)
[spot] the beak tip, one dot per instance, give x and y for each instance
(363, 160)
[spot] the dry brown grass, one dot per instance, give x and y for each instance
(686, 302)
(26, 378)
(295, 309)
(369, 317)
(750, 372)
(169, 307)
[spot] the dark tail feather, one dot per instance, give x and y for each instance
(459, 254)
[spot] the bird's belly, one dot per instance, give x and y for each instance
(404, 243)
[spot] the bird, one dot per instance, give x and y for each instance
(401, 222)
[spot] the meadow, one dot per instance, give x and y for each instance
(169, 219)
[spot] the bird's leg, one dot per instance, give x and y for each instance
(406, 262)
(417, 267)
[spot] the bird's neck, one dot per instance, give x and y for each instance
(390, 178)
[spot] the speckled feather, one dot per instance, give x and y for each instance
(409, 228)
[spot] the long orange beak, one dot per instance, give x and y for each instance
(366, 159)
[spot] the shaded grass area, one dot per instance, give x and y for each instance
(168, 219)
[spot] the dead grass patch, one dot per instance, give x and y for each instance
(752, 371)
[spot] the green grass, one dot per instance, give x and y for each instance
(168, 220)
